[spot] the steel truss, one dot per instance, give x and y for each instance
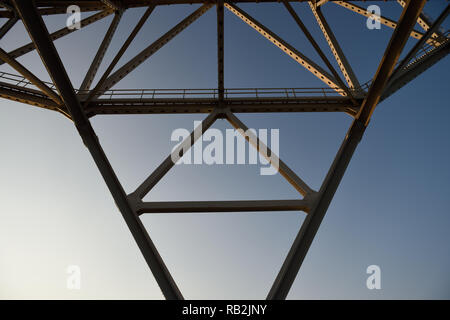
(80, 104)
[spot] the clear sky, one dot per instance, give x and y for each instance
(391, 209)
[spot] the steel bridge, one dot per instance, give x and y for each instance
(343, 93)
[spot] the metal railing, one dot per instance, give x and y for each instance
(427, 48)
(20, 81)
(141, 94)
(214, 93)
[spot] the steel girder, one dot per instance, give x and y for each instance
(60, 33)
(8, 25)
(412, 71)
(119, 54)
(309, 228)
(86, 84)
(423, 21)
(342, 61)
(151, 49)
(30, 76)
(183, 105)
(244, 105)
(387, 22)
(49, 7)
(29, 96)
(44, 45)
(79, 105)
(220, 51)
(315, 69)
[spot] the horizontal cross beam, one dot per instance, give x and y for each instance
(181, 105)
(222, 206)
(30, 97)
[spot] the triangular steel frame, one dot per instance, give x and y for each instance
(79, 105)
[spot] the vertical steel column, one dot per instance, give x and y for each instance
(46, 49)
(220, 52)
(308, 230)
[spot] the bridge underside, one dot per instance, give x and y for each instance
(105, 105)
(343, 93)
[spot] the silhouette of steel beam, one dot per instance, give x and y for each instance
(7, 26)
(6, 4)
(318, 50)
(168, 163)
(113, 4)
(38, 32)
(30, 76)
(321, 2)
(412, 53)
(395, 47)
(50, 7)
(222, 206)
(151, 49)
(119, 54)
(60, 7)
(280, 100)
(86, 84)
(60, 33)
(286, 172)
(407, 75)
(135, 198)
(220, 52)
(185, 106)
(423, 21)
(308, 230)
(339, 55)
(29, 96)
(204, 105)
(387, 22)
(131, 206)
(287, 48)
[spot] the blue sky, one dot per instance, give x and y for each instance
(391, 208)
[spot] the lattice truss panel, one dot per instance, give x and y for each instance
(344, 93)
